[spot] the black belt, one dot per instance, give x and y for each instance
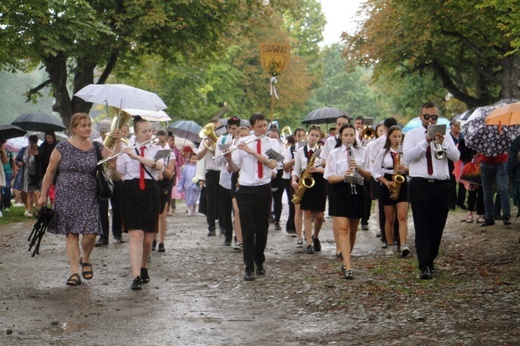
(431, 181)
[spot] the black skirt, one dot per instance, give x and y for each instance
(384, 197)
(315, 198)
(140, 208)
(347, 204)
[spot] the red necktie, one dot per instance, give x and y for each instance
(259, 151)
(429, 160)
(309, 154)
(141, 171)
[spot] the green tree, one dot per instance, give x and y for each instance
(467, 47)
(81, 42)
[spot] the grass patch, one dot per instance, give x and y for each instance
(15, 215)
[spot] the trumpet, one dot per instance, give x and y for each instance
(152, 141)
(235, 147)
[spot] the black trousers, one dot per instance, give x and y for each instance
(103, 213)
(289, 226)
(277, 186)
(116, 209)
(254, 204)
(430, 206)
(226, 207)
(368, 202)
(212, 198)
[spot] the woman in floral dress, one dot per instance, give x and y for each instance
(76, 203)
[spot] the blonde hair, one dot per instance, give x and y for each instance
(77, 119)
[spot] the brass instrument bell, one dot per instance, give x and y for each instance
(209, 137)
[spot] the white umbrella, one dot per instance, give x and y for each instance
(148, 115)
(121, 96)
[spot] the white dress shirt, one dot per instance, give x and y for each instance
(338, 161)
(301, 161)
(375, 147)
(248, 163)
(414, 152)
(208, 159)
(130, 168)
(384, 163)
(225, 175)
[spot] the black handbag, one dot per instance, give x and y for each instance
(105, 186)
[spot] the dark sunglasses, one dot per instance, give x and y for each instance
(428, 117)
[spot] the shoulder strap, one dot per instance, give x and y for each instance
(98, 150)
(144, 167)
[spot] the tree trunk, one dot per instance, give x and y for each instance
(56, 68)
(511, 77)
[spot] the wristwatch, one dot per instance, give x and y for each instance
(154, 164)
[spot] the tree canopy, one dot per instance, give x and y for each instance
(469, 45)
(81, 42)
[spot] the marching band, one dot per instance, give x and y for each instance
(244, 172)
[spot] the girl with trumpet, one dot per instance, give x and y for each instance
(347, 160)
(314, 198)
(387, 166)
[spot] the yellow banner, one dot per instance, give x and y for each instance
(274, 57)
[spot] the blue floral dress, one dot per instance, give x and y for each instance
(76, 204)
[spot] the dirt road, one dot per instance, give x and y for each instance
(197, 295)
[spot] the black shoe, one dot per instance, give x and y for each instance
(136, 284)
(505, 220)
(249, 276)
(426, 274)
(211, 233)
(364, 227)
(227, 242)
(309, 250)
(488, 222)
(277, 226)
(260, 270)
(384, 245)
(119, 240)
(101, 242)
(161, 248)
(379, 235)
(154, 245)
(145, 278)
(317, 244)
(348, 275)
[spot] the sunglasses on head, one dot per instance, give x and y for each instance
(432, 117)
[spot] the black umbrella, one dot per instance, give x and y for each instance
(323, 115)
(39, 122)
(11, 131)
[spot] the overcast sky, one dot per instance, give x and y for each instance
(340, 15)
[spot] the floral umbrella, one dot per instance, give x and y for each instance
(489, 140)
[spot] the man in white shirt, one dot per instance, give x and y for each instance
(429, 186)
(254, 194)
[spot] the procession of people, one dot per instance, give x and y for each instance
(242, 178)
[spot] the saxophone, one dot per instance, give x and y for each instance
(397, 178)
(306, 180)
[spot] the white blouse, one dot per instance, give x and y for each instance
(338, 160)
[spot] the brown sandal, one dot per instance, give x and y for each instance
(74, 280)
(86, 273)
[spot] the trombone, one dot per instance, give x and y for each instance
(235, 147)
(152, 141)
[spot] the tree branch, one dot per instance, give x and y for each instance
(470, 45)
(109, 67)
(33, 91)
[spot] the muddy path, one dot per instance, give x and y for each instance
(197, 295)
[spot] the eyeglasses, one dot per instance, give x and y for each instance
(428, 117)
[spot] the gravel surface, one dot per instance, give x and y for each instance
(197, 295)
